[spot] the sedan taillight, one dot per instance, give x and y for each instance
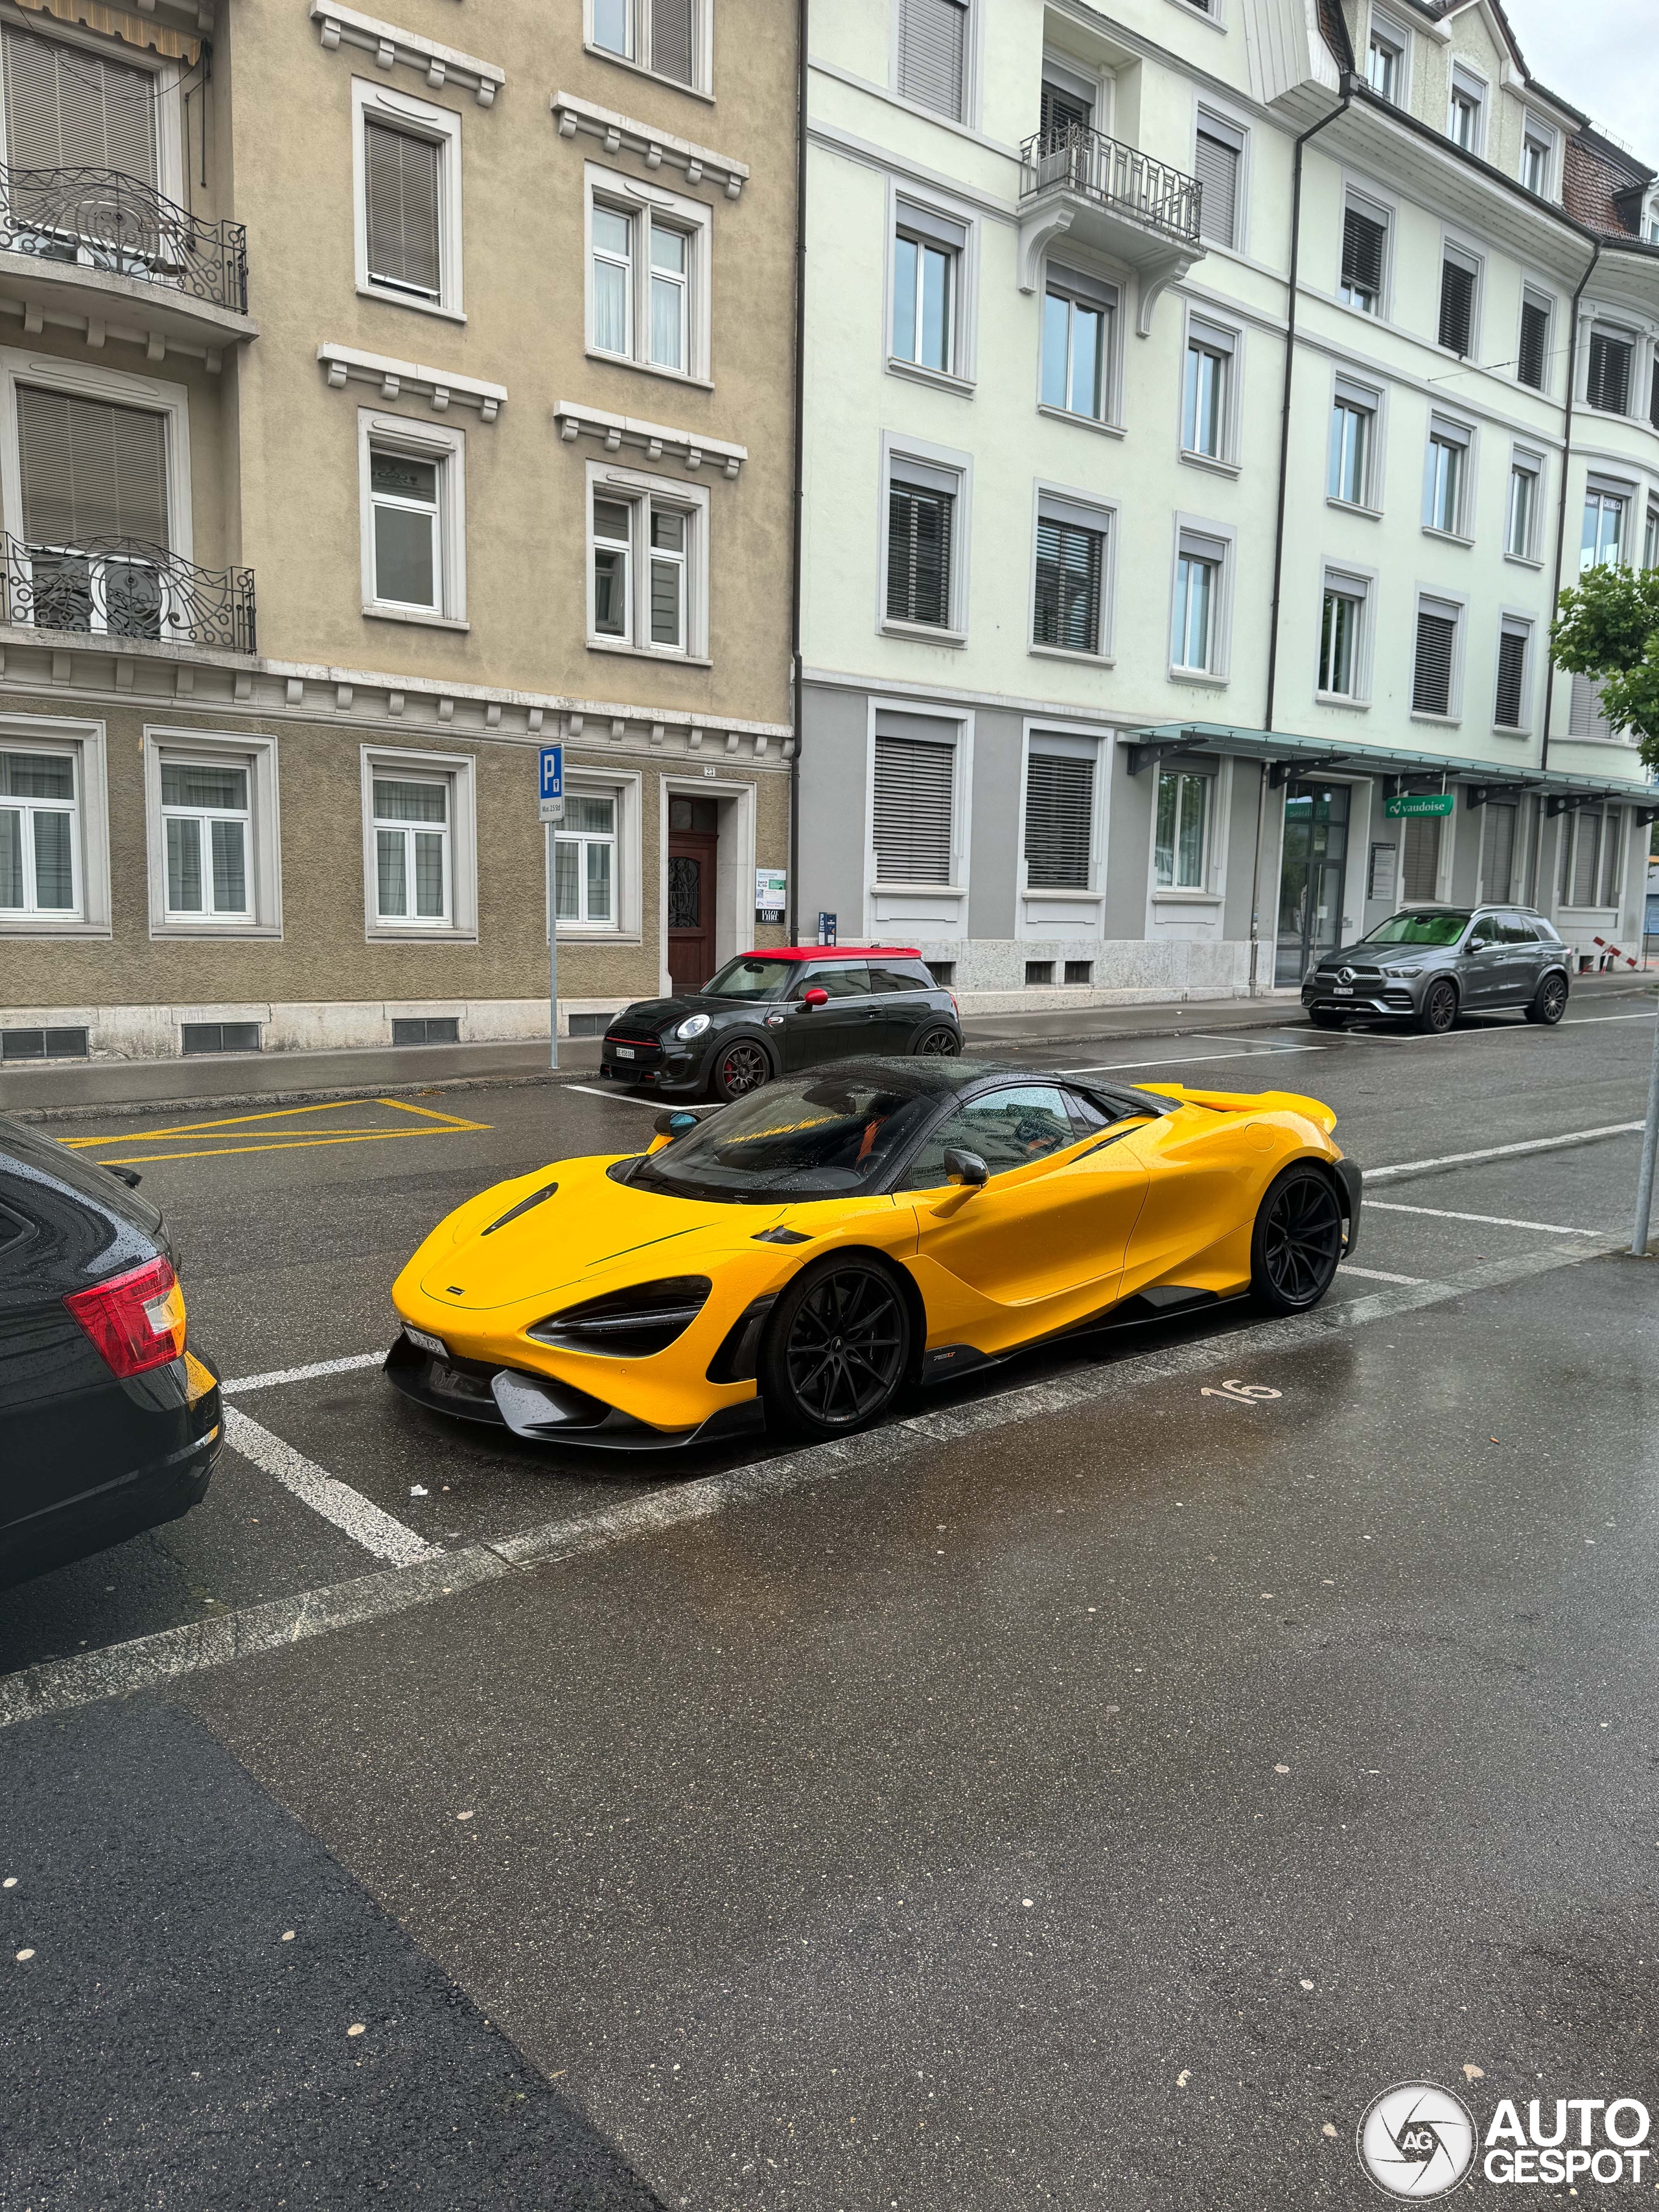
(135, 1320)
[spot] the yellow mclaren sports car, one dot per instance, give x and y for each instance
(807, 1254)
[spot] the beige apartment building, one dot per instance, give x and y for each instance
(378, 401)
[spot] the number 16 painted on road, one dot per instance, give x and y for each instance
(1241, 1394)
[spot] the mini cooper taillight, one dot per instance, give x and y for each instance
(628, 1324)
(135, 1320)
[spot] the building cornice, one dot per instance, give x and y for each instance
(393, 48)
(406, 378)
(619, 133)
(656, 441)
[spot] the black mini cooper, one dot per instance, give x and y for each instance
(768, 1013)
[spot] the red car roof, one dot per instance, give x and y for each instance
(831, 952)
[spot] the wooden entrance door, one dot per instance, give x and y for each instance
(691, 864)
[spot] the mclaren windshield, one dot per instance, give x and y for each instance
(822, 1137)
(749, 978)
(1441, 928)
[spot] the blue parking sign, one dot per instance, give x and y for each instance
(552, 772)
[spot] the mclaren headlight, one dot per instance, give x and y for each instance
(628, 1324)
(692, 1026)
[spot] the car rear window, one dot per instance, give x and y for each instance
(900, 979)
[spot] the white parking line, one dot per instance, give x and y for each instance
(1502, 1152)
(1583, 1021)
(1486, 1220)
(1191, 1060)
(656, 1105)
(276, 1375)
(1376, 1275)
(338, 1502)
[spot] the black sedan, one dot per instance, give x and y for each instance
(110, 1425)
(769, 1013)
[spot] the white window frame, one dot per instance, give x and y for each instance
(445, 449)
(84, 742)
(937, 910)
(1211, 779)
(1385, 31)
(1226, 342)
(973, 41)
(1512, 622)
(1525, 460)
(1477, 93)
(1225, 123)
(256, 754)
(442, 127)
(1435, 600)
(1606, 817)
(702, 47)
(937, 462)
(461, 770)
(636, 489)
(1360, 584)
(1075, 741)
(1088, 510)
(1216, 542)
(1364, 199)
(1079, 284)
(622, 786)
(1651, 537)
(1534, 131)
(1609, 489)
(1446, 431)
(908, 210)
(1349, 392)
(1537, 296)
(695, 221)
(1473, 264)
(1097, 86)
(1623, 334)
(49, 372)
(169, 106)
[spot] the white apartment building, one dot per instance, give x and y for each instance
(1203, 399)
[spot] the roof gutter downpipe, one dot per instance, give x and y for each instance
(1312, 132)
(1560, 556)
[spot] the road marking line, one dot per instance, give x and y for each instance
(1583, 1021)
(1501, 1151)
(656, 1105)
(336, 1501)
(1488, 1220)
(294, 1144)
(1376, 1274)
(119, 1669)
(273, 1376)
(453, 1125)
(1192, 1060)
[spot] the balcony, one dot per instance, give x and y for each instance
(120, 587)
(1078, 184)
(99, 246)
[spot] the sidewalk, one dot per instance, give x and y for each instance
(105, 1086)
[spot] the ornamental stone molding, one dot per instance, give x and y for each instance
(618, 433)
(407, 380)
(393, 48)
(620, 132)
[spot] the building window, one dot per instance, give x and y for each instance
(927, 258)
(1365, 252)
(39, 835)
(1653, 395)
(1612, 360)
(1385, 62)
(1590, 856)
(1219, 161)
(648, 280)
(1520, 523)
(1181, 837)
(1071, 574)
(1195, 638)
(1651, 539)
(646, 566)
(933, 55)
(1206, 398)
(1434, 674)
(1498, 838)
(1532, 363)
(1078, 323)
(1458, 277)
(408, 158)
(1538, 160)
(1066, 104)
(1419, 860)
(403, 492)
(1446, 487)
(411, 848)
(71, 107)
(1603, 539)
(585, 862)
(1466, 122)
(1060, 812)
(914, 809)
(1342, 637)
(663, 36)
(93, 479)
(413, 500)
(206, 819)
(1354, 432)
(922, 524)
(1510, 710)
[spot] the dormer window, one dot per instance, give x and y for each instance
(1538, 160)
(1466, 122)
(1385, 62)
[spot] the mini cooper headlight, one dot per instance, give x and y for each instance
(693, 1025)
(629, 1324)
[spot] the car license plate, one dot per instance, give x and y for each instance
(1343, 990)
(434, 1344)
(624, 1051)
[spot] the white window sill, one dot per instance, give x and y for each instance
(1213, 462)
(1354, 506)
(1522, 560)
(1438, 721)
(219, 926)
(1168, 894)
(1057, 892)
(374, 612)
(924, 633)
(592, 932)
(408, 299)
(1205, 677)
(1447, 537)
(942, 379)
(649, 652)
(419, 932)
(649, 368)
(1341, 699)
(924, 890)
(652, 77)
(1081, 422)
(1504, 730)
(1064, 653)
(46, 924)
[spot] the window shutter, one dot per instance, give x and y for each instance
(915, 788)
(1584, 715)
(1586, 850)
(1364, 239)
(401, 185)
(1653, 395)
(1218, 175)
(933, 53)
(90, 470)
(1532, 365)
(1062, 113)
(1613, 822)
(919, 555)
(1609, 383)
(1059, 804)
(1497, 851)
(1436, 635)
(67, 108)
(1419, 867)
(1512, 674)
(1456, 307)
(670, 39)
(1068, 565)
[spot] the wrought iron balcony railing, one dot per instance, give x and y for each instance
(100, 219)
(1114, 175)
(121, 587)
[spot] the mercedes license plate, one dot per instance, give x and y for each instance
(1343, 990)
(624, 1051)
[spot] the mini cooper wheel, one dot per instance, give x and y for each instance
(939, 1044)
(1296, 1241)
(836, 1349)
(742, 1066)
(1439, 1008)
(1549, 1001)
(1326, 1017)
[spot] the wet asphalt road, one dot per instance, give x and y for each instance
(756, 1801)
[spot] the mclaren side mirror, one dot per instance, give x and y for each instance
(967, 1168)
(815, 998)
(674, 1125)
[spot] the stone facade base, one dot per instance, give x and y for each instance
(1122, 971)
(157, 1032)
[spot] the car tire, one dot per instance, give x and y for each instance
(940, 1043)
(1326, 1017)
(836, 1350)
(1549, 1001)
(1297, 1243)
(739, 1067)
(1439, 1008)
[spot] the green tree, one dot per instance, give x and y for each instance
(1607, 628)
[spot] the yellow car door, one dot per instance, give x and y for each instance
(1206, 1169)
(1041, 1242)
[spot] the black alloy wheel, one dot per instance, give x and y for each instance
(1296, 1241)
(1439, 1008)
(939, 1044)
(1549, 1001)
(836, 1350)
(742, 1067)
(1326, 1017)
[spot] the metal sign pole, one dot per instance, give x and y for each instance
(552, 956)
(1649, 1148)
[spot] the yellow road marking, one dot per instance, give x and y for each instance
(450, 1125)
(299, 1144)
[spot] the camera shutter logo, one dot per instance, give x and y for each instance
(1416, 2142)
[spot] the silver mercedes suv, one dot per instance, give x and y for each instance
(1430, 965)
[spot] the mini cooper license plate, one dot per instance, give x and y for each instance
(624, 1051)
(434, 1344)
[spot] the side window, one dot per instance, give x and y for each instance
(1087, 1116)
(897, 979)
(1006, 1128)
(840, 979)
